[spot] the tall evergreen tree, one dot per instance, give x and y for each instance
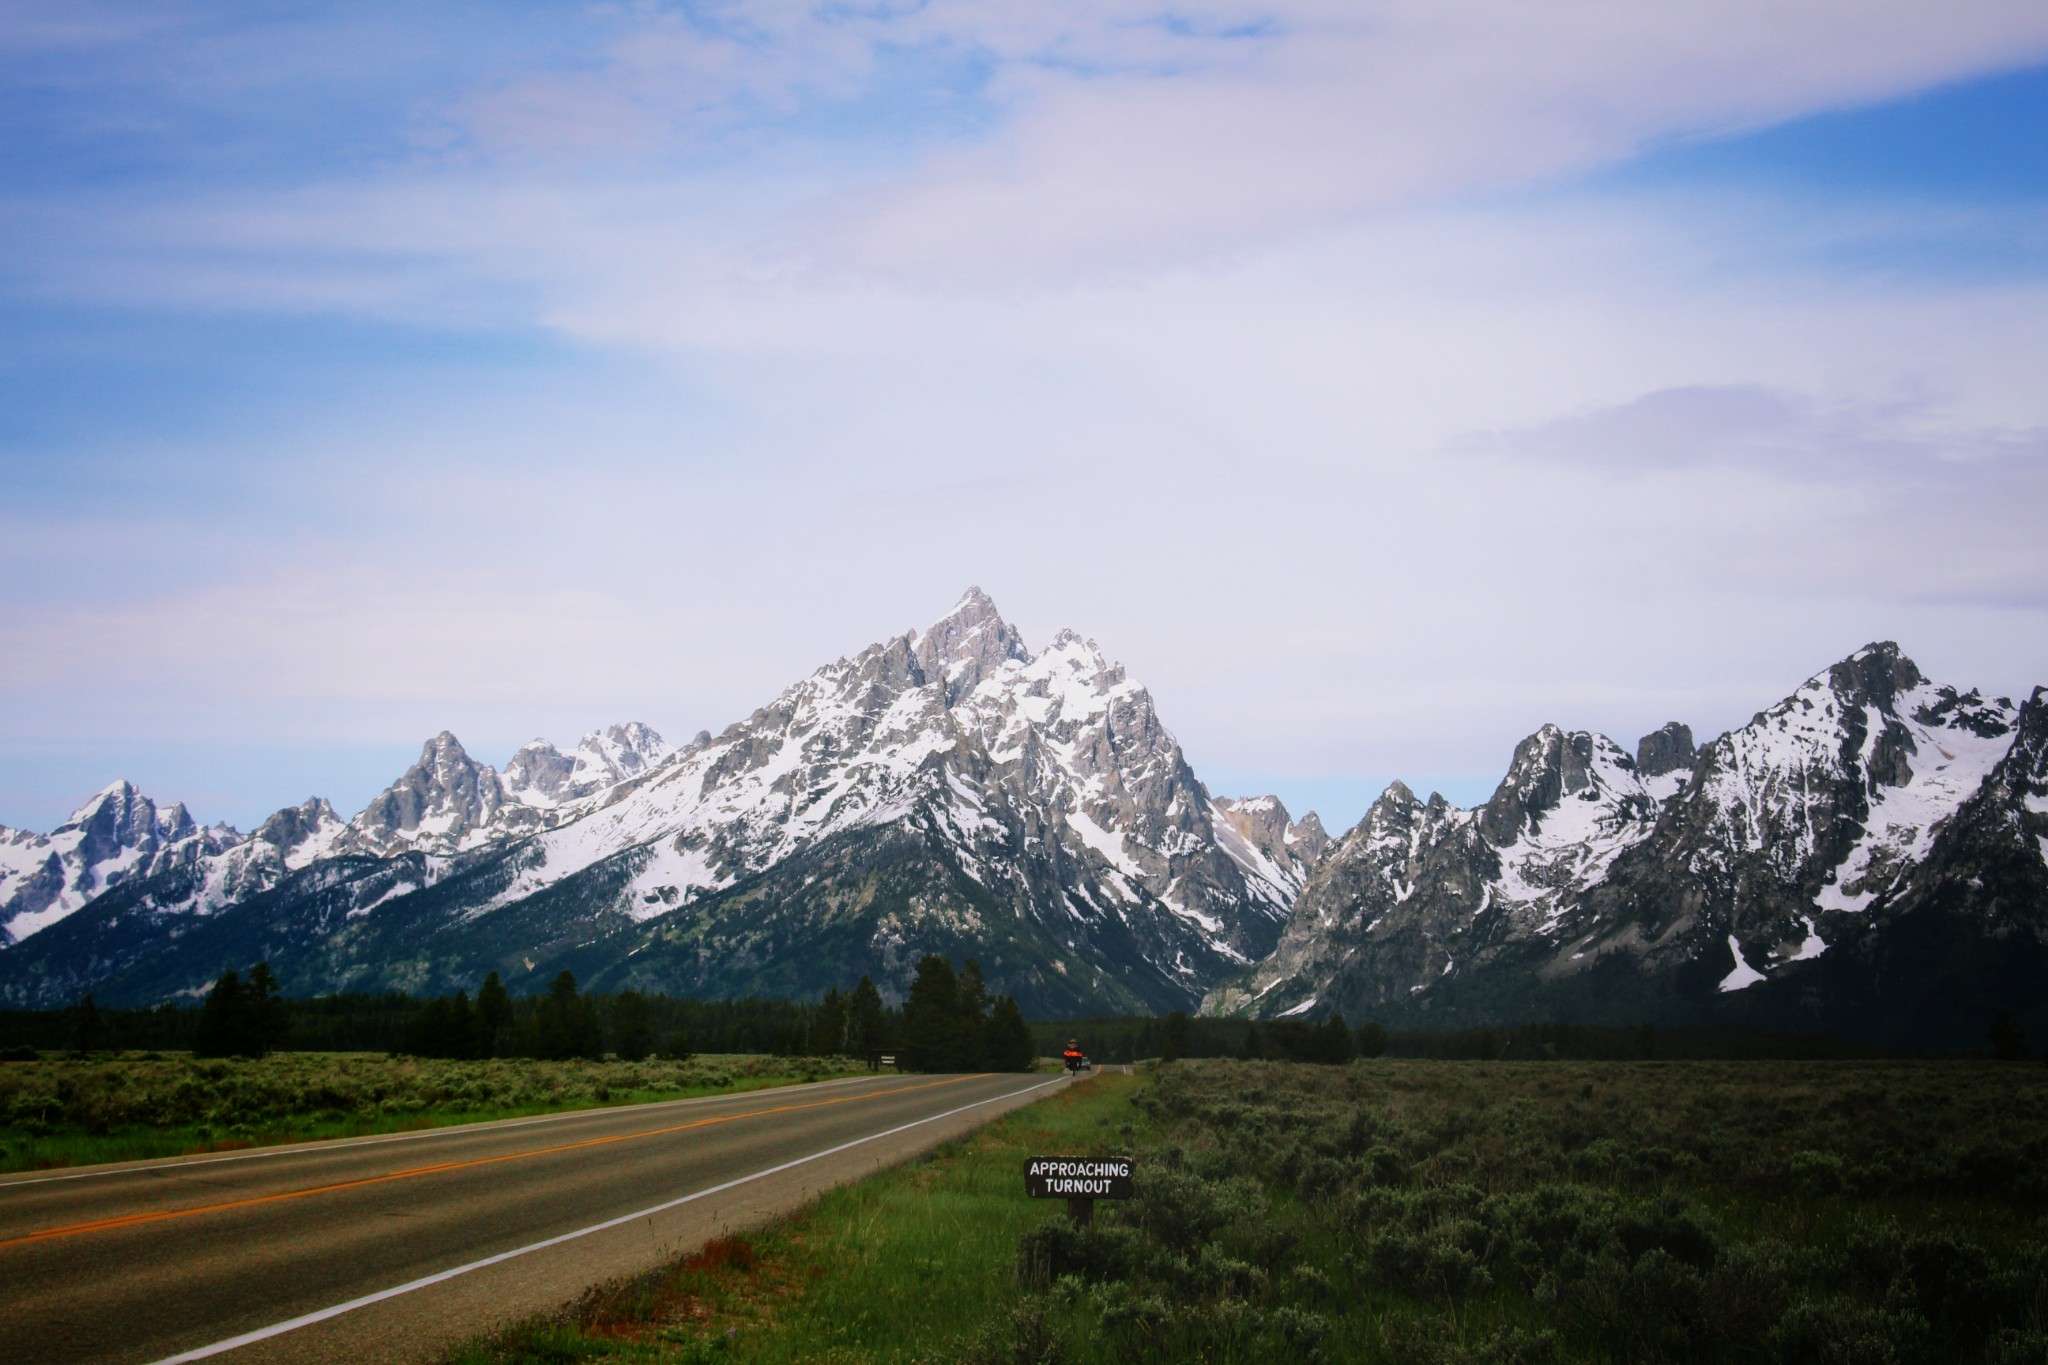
(828, 1025)
(1009, 1037)
(970, 1014)
(1372, 1039)
(864, 1019)
(464, 1036)
(223, 1021)
(431, 1032)
(493, 1018)
(1334, 1044)
(564, 1024)
(88, 1026)
(930, 1011)
(2008, 1042)
(1173, 1037)
(269, 1019)
(632, 1026)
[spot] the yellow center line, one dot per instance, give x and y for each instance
(165, 1215)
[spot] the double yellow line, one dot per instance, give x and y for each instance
(163, 1216)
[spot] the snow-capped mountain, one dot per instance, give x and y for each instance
(1417, 886)
(1672, 882)
(119, 835)
(445, 804)
(1870, 855)
(949, 791)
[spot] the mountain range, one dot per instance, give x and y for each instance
(1869, 856)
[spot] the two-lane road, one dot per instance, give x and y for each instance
(389, 1248)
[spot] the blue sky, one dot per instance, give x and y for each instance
(1378, 381)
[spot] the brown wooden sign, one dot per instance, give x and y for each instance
(1078, 1177)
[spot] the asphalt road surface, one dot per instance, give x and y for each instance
(389, 1249)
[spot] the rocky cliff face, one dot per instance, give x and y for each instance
(1674, 881)
(949, 791)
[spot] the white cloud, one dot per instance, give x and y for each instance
(1218, 348)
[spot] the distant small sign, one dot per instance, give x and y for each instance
(1078, 1177)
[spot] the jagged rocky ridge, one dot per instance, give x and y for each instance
(949, 791)
(1865, 857)
(119, 835)
(444, 804)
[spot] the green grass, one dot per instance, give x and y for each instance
(907, 1265)
(1414, 1213)
(138, 1106)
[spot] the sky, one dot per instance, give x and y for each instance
(1377, 380)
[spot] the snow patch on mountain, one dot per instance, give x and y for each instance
(1584, 803)
(1954, 741)
(1743, 976)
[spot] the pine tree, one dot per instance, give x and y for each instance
(930, 1009)
(1173, 1037)
(565, 1025)
(2008, 1043)
(88, 1026)
(268, 1021)
(1334, 1044)
(493, 1018)
(1009, 1038)
(828, 1025)
(430, 1032)
(970, 1016)
(1372, 1039)
(222, 1031)
(632, 1026)
(463, 1034)
(863, 1020)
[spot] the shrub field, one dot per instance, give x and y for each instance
(1426, 1213)
(62, 1112)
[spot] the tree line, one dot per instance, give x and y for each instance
(949, 1022)
(960, 1026)
(952, 1023)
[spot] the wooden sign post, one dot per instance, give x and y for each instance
(1080, 1180)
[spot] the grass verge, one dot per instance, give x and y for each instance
(908, 1265)
(143, 1106)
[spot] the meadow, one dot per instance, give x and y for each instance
(1428, 1213)
(65, 1111)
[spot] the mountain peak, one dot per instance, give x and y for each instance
(121, 792)
(1548, 767)
(1666, 749)
(1398, 795)
(967, 644)
(1876, 673)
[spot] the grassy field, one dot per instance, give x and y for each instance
(68, 1112)
(1427, 1213)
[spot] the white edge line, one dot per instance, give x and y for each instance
(318, 1145)
(307, 1320)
